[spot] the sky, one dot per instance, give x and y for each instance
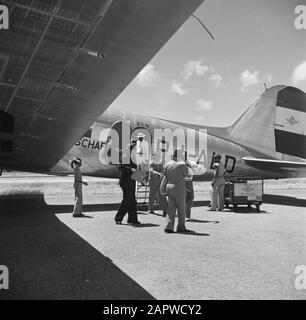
(198, 80)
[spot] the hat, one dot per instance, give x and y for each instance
(140, 135)
(218, 156)
(75, 161)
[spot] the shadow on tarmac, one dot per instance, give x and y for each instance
(284, 200)
(202, 221)
(193, 233)
(47, 260)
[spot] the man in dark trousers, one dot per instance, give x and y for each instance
(128, 186)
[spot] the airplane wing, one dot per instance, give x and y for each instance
(274, 164)
(62, 63)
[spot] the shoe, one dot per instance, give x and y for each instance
(152, 212)
(134, 222)
(188, 219)
(168, 231)
(164, 214)
(210, 210)
(118, 222)
(220, 210)
(183, 231)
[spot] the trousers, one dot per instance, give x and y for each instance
(128, 204)
(217, 194)
(189, 197)
(155, 193)
(78, 199)
(176, 201)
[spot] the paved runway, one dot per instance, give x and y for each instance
(229, 255)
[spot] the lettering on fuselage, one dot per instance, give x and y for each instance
(142, 124)
(164, 141)
(90, 144)
(229, 165)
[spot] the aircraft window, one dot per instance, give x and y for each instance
(230, 163)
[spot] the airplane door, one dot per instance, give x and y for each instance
(123, 129)
(141, 154)
(120, 139)
(115, 140)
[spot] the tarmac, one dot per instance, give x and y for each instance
(228, 255)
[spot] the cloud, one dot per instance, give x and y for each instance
(249, 79)
(176, 87)
(199, 118)
(216, 78)
(299, 74)
(194, 67)
(147, 77)
(203, 105)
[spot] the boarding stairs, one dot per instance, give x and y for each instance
(142, 193)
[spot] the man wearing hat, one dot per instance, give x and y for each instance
(142, 151)
(128, 185)
(76, 163)
(218, 185)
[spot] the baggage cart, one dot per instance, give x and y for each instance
(243, 192)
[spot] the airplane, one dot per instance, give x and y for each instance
(62, 74)
(266, 142)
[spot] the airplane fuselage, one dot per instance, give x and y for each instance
(200, 142)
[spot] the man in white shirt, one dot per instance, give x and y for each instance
(218, 184)
(76, 163)
(142, 151)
